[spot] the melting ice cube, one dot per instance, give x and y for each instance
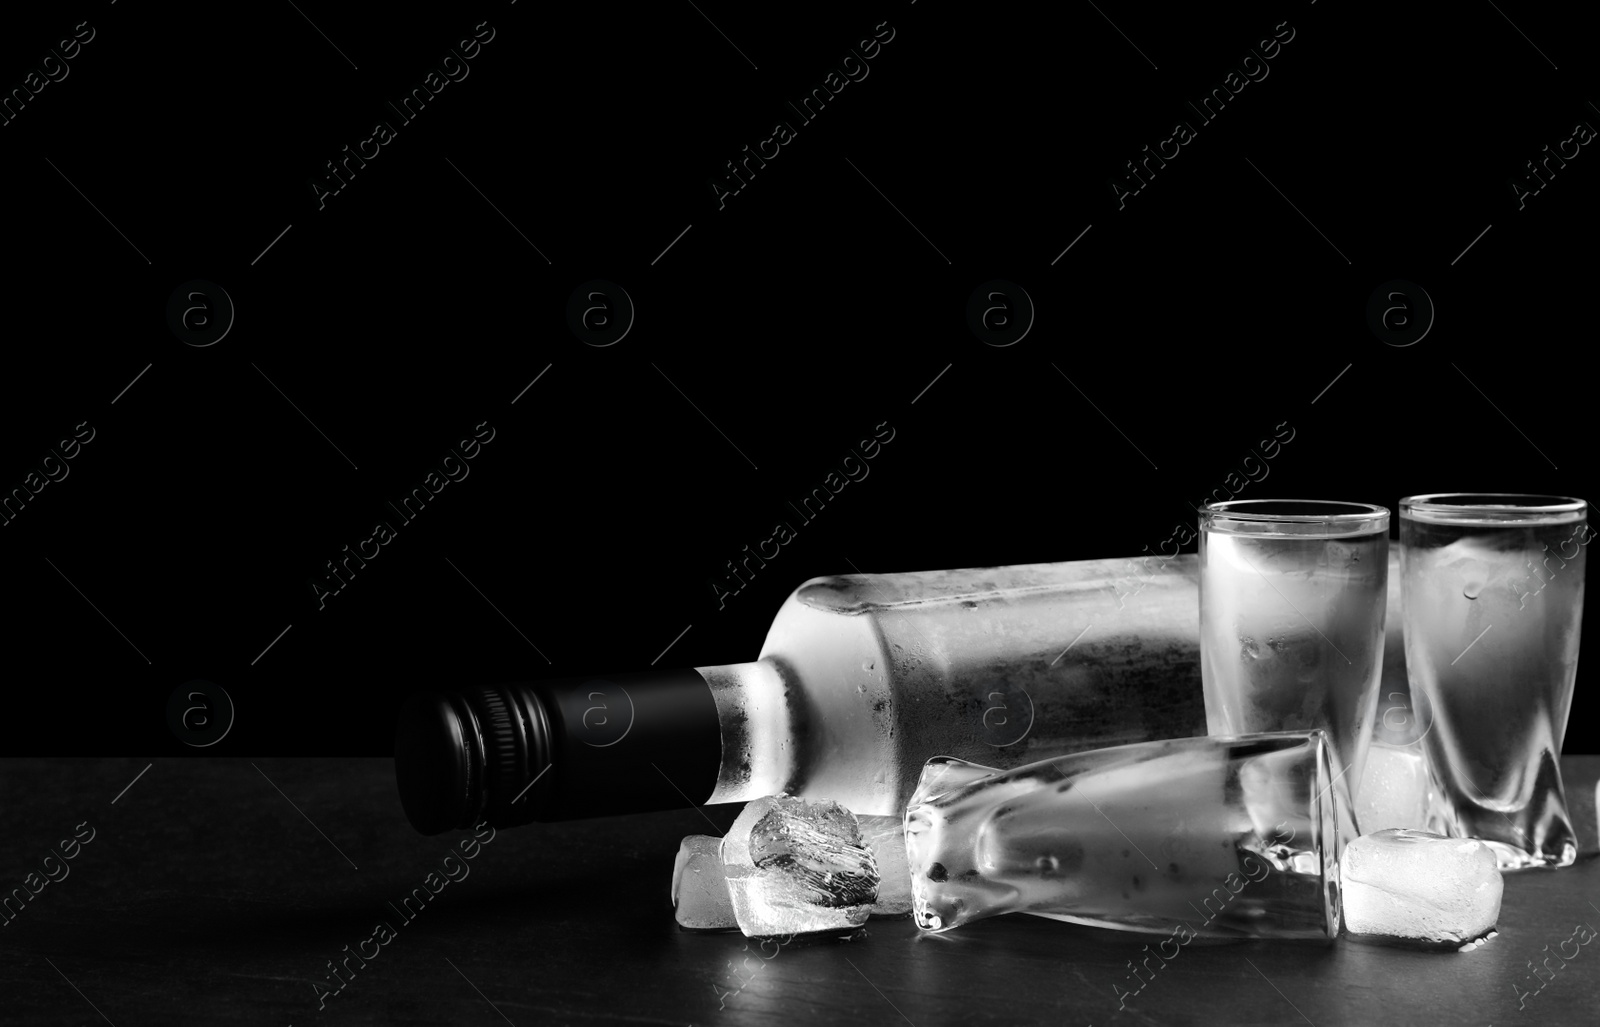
(1420, 887)
(699, 886)
(700, 893)
(1394, 790)
(795, 866)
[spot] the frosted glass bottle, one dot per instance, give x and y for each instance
(862, 679)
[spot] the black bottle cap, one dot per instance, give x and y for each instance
(511, 754)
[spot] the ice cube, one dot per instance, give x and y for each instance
(1419, 887)
(886, 837)
(1484, 570)
(795, 866)
(1394, 790)
(699, 886)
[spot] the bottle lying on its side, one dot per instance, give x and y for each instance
(862, 679)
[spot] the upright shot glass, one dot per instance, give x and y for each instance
(1492, 594)
(1292, 600)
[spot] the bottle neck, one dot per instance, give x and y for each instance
(511, 754)
(757, 722)
(628, 743)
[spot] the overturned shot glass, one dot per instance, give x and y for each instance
(1229, 836)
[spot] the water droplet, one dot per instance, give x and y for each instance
(1473, 589)
(861, 687)
(869, 665)
(1048, 865)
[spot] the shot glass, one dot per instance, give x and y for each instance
(1292, 601)
(1492, 594)
(1197, 837)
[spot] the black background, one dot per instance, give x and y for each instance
(770, 337)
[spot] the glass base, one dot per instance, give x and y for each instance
(1539, 835)
(1533, 832)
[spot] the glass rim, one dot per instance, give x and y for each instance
(1330, 800)
(1315, 518)
(1483, 508)
(1354, 511)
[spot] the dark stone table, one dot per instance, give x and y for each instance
(217, 891)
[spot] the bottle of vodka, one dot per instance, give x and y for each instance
(862, 679)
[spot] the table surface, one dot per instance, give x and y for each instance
(216, 891)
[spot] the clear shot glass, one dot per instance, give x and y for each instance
(1492, 597)
(1292, 600)
(1209, 837)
